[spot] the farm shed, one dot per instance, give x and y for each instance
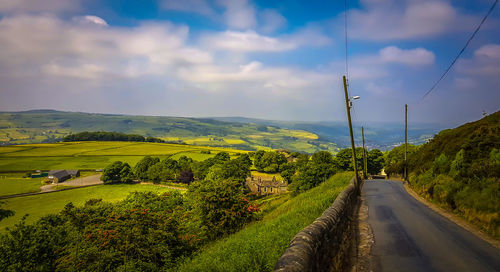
(57, 176)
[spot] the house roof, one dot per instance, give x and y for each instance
(58, 173)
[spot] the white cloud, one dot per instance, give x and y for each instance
(418, 56)
(484, 63)
(90, 20)
(248, 41)
(23, 6)
(254, 78)
(68, 55)
(271, 20)
(48, 44)
(195, 6)
(490, 51)
(381, 20)
(251, 41)
(239, 14)
(310, 35)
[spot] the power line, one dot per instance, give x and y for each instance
(461, 51)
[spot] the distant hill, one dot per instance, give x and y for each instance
(37, 126)
(383, 136)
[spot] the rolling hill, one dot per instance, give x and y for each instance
(42, 126)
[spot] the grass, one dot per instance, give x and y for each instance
(94, 155)
(42, 204)
(14, 183)
(258, 246)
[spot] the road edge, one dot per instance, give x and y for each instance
(453, 218)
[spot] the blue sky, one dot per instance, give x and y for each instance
(265, 59)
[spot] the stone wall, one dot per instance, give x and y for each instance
(325, 244)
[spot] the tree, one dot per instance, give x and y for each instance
(221, 206)
(221, 157)
(186, 176)
(5, 213)
(458, 165)
(375, 161)
(270, 162)
(394, 161)
(185, 163)
(317, 170)
(117, 172)
(441, 165)
(141, 168)
(344, 159)
(236, 169)
(287, 170)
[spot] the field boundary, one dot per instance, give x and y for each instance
(324, 245)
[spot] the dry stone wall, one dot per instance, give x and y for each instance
(325, 244)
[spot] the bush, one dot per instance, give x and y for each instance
(221, 206)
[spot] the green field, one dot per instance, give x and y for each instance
(94, 155)
(14, 183)
(258, 246)
(47, 125)
(42, 204)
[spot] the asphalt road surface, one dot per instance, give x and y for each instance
(409, 236)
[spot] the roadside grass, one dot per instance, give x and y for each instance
(42, 204)
(14, 183)
(258, 246)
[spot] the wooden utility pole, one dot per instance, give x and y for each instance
(365, 164)
(348, 107)
(406, 143)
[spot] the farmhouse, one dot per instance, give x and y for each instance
(57, 176)
(266, 186)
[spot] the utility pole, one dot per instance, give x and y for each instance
(348, 107)
(406, 143)
(365, 164)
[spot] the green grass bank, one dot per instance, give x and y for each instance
(258, 246)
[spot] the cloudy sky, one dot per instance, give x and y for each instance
(265, 59)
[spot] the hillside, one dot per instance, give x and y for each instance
(40, 126)
(477, 139)
(460, 170)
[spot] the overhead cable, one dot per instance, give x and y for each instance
(461, 51)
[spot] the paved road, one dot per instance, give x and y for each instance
(411, 237)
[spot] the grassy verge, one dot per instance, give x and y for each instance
(258, 246)
(39, 205)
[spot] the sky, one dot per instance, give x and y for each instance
(280, 60)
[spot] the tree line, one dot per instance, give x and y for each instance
(109, 136)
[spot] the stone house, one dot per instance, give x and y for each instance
(261, 186)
